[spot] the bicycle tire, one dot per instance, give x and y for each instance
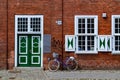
(53, 65)
(72, 64)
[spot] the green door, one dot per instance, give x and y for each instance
(29, 51)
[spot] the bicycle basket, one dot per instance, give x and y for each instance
(55, 55)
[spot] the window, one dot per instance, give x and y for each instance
(28, 23)
(116, 34)
(86, 32)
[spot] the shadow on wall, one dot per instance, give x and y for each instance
(56, 45)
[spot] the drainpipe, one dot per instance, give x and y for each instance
(7, 35)
(62, 31)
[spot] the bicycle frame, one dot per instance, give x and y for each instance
(62, 62)
(68, 63)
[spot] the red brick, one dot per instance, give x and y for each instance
(52, 11)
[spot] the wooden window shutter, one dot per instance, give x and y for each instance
(104, 43)
(69, 43)
(109, 43)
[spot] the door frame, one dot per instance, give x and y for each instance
(16, 38)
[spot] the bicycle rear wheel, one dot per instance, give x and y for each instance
(53, 65)
(71, 64)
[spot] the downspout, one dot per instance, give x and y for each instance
(7, 35)
(62, 31)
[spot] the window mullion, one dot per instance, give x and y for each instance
(85, 26)
(85, 43)
(28, 24)
(85, 34)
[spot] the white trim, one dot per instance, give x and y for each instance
(32, 60)
(28, 25)
(16, 33)
(95, 34)
(16, 41)
(75, 24)
(86, 16)
(113, 33)
(112, 23)
(42, 33)
(22, 62)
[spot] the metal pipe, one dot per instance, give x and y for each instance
(62, 30)
(7, 35)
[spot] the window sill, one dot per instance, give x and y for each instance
(86, 52)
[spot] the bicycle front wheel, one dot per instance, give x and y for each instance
(53, 65)
(71, 64)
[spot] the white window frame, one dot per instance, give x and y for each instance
(29, 32)
(28, 17)
(114, 34)
(86, 34)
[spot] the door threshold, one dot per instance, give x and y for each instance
(28, 68)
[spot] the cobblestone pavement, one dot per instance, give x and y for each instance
(25, 74)
(84, 75)
(39, 74)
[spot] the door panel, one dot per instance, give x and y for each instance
(23, 52)
(23, 44)
(29, 51)
(36, 50)
(35, 44)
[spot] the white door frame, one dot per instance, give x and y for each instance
(16, 33)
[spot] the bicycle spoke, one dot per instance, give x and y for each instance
(53, 65)
(72, 65)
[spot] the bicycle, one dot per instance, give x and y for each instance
(69, 63)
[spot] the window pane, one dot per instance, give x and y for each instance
(92, 20)
(117, 25)
(90, 43)
(81, 43)
(90, 25)
(88, 21)
(81, 26)
(35, 24)
(116, 20)
(22, 24)
(117, 43)
(116, 30)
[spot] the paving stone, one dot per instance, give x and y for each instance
(84, 75)
(61, 75)
(23, 75)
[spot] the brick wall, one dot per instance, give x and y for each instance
(52, 11)
(101, 60)
(3, 37)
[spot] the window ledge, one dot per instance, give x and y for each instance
(86, 52)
